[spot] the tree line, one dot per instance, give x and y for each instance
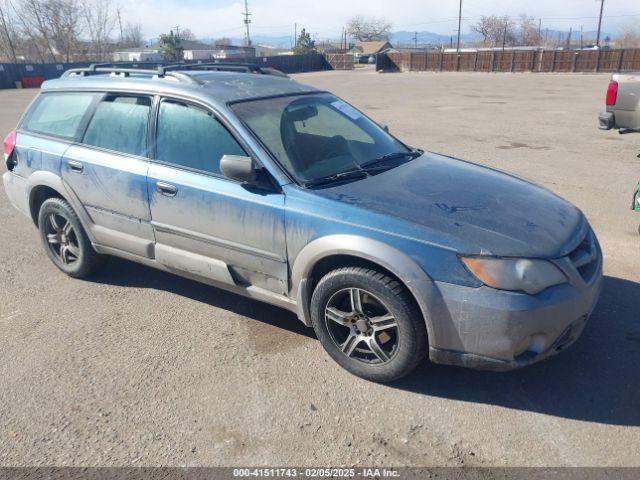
(496, 31)
(91, 30)
(63, 30)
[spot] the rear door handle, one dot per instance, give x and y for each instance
(166, 189)
(75, 166)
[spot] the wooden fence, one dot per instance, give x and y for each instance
(340, 61)
(622, 60)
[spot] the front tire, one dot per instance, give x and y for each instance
(65, 240)
(368, 323)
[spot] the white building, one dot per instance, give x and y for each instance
(192, 50)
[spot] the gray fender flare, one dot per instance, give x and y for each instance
(401, 265)
(51, 180)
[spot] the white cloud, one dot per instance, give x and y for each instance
(325, 18)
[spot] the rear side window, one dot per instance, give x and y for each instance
(58, 114)
(192, 137)
(120, 123)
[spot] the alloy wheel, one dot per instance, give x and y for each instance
(362, 326)
(62, 239)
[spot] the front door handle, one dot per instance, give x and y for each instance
(166, 189)
(75, 166)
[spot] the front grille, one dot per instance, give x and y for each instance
(585, 258)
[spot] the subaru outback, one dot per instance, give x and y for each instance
(287, 194)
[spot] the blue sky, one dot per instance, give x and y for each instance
(325, 18)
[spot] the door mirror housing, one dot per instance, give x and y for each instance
(238, 167)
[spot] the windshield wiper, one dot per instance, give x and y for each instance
(347, 175)
(391, 156)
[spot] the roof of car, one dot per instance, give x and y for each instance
(223, 87)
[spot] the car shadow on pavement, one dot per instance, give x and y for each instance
(128, 274)
(595, 380)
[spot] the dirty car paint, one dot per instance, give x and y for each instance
(470, 208)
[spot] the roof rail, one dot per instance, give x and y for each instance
(225, 67)
(154, 65)
(159, 71)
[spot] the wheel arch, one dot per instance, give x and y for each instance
(37, 197)
(331, 250)
(44, 185)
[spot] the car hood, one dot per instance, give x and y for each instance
(474, 209)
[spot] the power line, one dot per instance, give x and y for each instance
(548, 21)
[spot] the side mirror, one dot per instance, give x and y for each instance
(238, 168)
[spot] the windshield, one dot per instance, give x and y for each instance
(316, 136)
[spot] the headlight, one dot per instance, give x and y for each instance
(531, 276)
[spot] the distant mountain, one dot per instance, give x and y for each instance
(424, 38)
(405, 38)
(588, 36)
(282, 41)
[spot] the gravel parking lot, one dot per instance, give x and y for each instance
(140, 367)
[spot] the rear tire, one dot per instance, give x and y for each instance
(65, 240)
(368, 323)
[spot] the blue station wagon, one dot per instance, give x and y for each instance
(268, 188)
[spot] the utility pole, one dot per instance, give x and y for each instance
(581, 37)
(504, 34)
(599, 23)
(295, 35)
(247, 21)
(569, 38)
(119, 24)
(177, 28)
(540, 30)
(415, 39)
(459, 24)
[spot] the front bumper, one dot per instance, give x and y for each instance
(493, 329)
(606, 121)
(480, 362)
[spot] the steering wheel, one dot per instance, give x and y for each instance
(334, 147)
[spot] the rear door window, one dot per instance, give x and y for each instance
(192, 137)
(120, 124)
(59, 114)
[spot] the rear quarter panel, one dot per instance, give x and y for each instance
(627, 108)
(38, 153)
